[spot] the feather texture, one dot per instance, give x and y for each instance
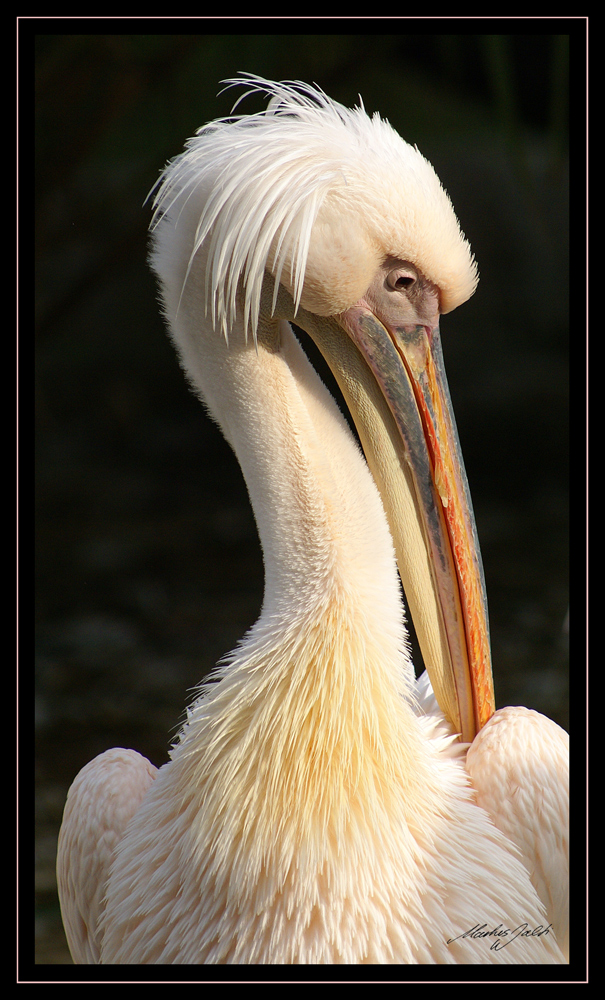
(263, 202)
(316, 806)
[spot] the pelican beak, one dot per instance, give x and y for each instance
(393, 380)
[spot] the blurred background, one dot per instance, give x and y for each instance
(148, 562)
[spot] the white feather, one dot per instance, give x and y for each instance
(261, 195)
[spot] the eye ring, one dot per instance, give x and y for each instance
(401, 279)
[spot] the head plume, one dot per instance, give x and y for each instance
(316, 193)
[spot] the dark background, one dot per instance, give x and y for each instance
(148, 562)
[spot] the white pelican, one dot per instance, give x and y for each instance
(318, 806)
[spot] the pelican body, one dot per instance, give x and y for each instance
(320, 804)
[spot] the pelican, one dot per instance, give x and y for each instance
(320, 804)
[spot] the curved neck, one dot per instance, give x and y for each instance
(326, 543)
(320, 519)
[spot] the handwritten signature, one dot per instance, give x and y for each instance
(503, 935)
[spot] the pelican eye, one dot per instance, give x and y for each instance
(401, 279)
